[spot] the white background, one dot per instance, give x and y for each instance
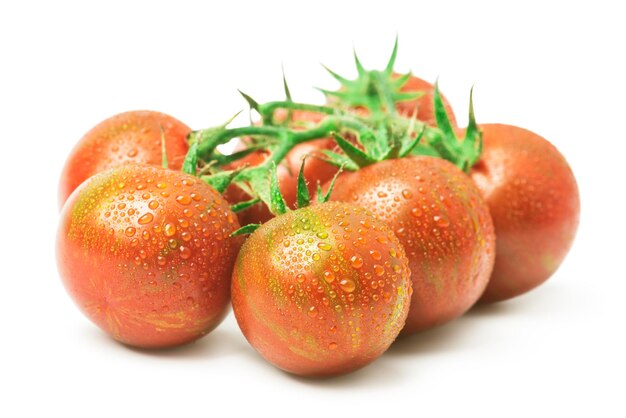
(556, 70)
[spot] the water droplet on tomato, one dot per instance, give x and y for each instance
(332, 346)
(130, 231)
(185, 252)
(381, 194)
(153, 204)
(407, 194)
(379, 270)
(441, 221)
(375, 255)
(300, 278)
(324, 246)
(356, 261)
(416, 212)
(169, 230)
(347, 285)
(183, 199)
(312, 312)
(329, 276)
(145, 218)
(322, 235)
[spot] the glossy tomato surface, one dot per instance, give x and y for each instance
(323, 290)
(443, 223)
(145, 253)
(315, 169)
(424, 104)
(534, 202)
(131, 137)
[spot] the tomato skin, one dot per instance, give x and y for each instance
(315, 169)
(425, 106)
(133, 136)
(438, 215)
(321, 291)
(535, 205)
(146, 255)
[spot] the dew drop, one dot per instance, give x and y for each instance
(324, 246)
(375, 255)
(183, 199)
(381, 194)
(300, 278)
(416, 212)
(407, 194)
(356, 261)
(379, 270)
(185, 252)
(169, 230)
(347, 285)
(312, 312)
(441, 221)
(329, 276)
(332, 346)
(130, 231)
(153, 204)
(145, 219)
(322, 235)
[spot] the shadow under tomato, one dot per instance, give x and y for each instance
(380, 373)
(221, 342)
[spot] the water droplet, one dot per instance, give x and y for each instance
(356, 261)
(407, 194)
(316, 256)
(347, 285)
(332, 346)
(392, 252)
(300, 278)
(145, 219)
(324, 246)
(286, 243)
(312, 312)
(379, 270)
(375, 255)
(183, 199)
(329, 276)
(421, 190)
(169, 230)
(387, 297)
(172, 243)
(441, 221)
(130, 231)
(416, 212)
(121, 206)
(161, 185)
(153, 204)
(185, 252)
(322, 235)
(186, 236)
(381, 194)
(132, 153)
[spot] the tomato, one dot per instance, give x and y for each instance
(425, 106)
(438, 215)
(534, 202)
(315, 169)
(145, 253)
(322, 290)
(127, 137)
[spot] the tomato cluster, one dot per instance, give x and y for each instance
(410, 227)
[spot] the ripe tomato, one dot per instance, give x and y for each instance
(322, 290)
(534, 202)
(145, 253)
(127, 137)
(438, 215)
(314, 170)
(425, 106)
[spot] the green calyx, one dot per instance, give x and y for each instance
(377, 91)
(464, 153)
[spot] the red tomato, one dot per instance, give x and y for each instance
(425, 106)
(438, 215)
(534, 202)
(124, 138)
(322, 290)
(314, 170)
(145, 253)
